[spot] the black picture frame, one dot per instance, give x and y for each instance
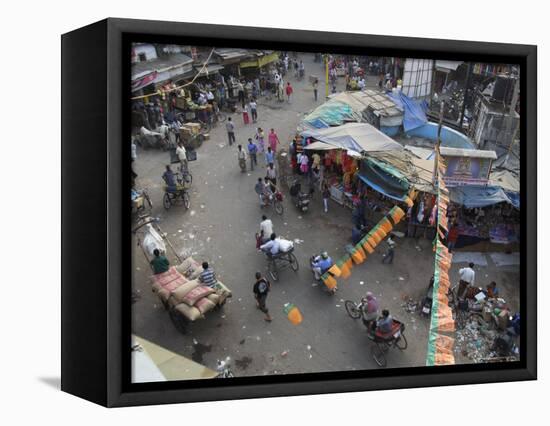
(95, 213)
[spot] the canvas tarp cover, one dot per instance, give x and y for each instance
(360, 137)
(331, 113)
(505, 179)
(418, 172)
(471, 196)
(413, 114)
(384, 179)
(350, 107)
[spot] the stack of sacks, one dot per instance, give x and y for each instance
(164, 284)
(192, 300)
(191, 269)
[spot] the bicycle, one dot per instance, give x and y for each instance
(275, 200)
(355, 309)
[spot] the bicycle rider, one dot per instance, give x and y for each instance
(369, 311)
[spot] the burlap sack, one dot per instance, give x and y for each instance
(214, 298)
(190, 268)
(197, 293)
(162, 293)
(189, 312)
(182, 291)
(204, 305)
(194, 272)
(184, 266)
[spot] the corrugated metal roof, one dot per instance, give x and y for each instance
(473, 153)
(361, 100)
(140, 69)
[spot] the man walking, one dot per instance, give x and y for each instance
(182, 156)
(241, 156)
(230, 127)
(259, 188)
(315, 87)
(269, 156)
(252, 150)
(388, 256)
(289, 91)
(261, 289)
(467, 278)
(253, 110)
(271, 174)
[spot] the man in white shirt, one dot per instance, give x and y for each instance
(266, 229)
(181, 153)
(467, 279)
(361, 83)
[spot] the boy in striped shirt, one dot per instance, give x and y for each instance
(207, 276)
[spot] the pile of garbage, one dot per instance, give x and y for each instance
(475, 341)
(481, 342)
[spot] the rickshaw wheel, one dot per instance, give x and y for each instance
(294, 265)
(273, 271)
(149, 203)
(351, 309)
(166, 201)
(378, 356)
(401, 342)
(179, 321)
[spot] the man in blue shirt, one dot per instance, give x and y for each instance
(272, 247)
(169, 178)
(252, 150)
(269, 156)
(385, 323)
(321, 264)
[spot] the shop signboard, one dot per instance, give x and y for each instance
(466, 166)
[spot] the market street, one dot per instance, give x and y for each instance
(219, 228)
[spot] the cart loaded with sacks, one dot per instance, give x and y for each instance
(179, 288)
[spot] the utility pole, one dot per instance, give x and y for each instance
(511, 117)
(326, 76)
(465, 100)
(438, 142)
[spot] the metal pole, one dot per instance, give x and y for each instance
(468, 79)
(438, 142)
(511, 115)
(326, 76)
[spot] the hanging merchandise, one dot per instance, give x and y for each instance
(293, 313)
(335, 270)
(440, 346)
(329, 281)
(366, 246)
(344, 269)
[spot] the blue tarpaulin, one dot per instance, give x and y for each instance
(471, 196)
(414, 115)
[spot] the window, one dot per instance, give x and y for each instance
(142, 57)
